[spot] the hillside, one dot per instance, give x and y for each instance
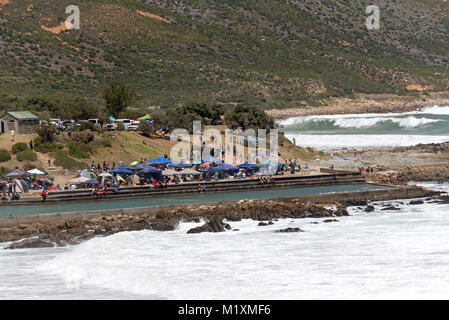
(269, 53)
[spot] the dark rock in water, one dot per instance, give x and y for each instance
(236, 230)
(31, 243)
(314, 223)
(233, 218)
(341, 211)
(414, 202)
(163, 225)
(290, 230)
(330, 220)
(214, 225)
(354, 203)
(369, 208)
(390, 208)
(263, 224)
(196, 220)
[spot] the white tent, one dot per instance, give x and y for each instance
(170, 172)
(79, 180)
(105, 174)
(189, 171)
(36, 172)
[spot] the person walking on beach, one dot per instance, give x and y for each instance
(13, 133)
(31, 145)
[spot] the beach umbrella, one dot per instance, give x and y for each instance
(189, 171)
(148, 170)
(180, 165)
(121, 170)
(15, 174)
(112, 118)
(134, 163)
(170, 172)
(197, 162)
(226, 168)
(158, 162)
(19, 184)
(36, 172)
(119, 178)
(248, 166)
(136, 167)
(205, 165)
(105, 174)
(79, 180)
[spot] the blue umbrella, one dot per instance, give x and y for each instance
(15, 174)
(180, 165)
(136, 167)
(248, 166)
(227, 168)
(158, 161)
(148, 170)
(121, 170)
(112, 118)
(197, 162)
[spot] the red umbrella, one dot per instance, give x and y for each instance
(205, 165)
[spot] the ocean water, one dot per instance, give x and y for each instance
(379, 255)
(430, 125)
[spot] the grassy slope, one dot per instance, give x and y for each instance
(270, 52)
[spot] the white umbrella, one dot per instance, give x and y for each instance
(169, 172)
(36, 172)
(189, 171)
(79, 180)
(105, 174)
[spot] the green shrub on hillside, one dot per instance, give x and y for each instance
(46, 147)
(4, 155)
(20, 146)
(63, 160)
(78, 150)
(27, 155)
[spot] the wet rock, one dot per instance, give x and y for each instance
(415, 202)
(163, 225)
(369, 208)
(262, 224)
(341, 211)
(289, 230)
(390, 208)
(314, 223)
(233, 218)
(330, 220)
(214, 225)
(31, 243)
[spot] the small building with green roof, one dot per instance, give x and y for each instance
(22, 122)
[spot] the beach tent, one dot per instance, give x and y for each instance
(158, 162)
(189, 171)
(197, 162)
(79, 180)
(121, 170)
(149, 170)
(180, 165)
(145, 117)
(170, 172)
(15, 174)
(205, 165)
(226, 168)
(112, 118)
(248, 166)
(36, 172)
(88, 174)
(120, 179)
(136, 167)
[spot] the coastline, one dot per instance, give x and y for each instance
(364, 104)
